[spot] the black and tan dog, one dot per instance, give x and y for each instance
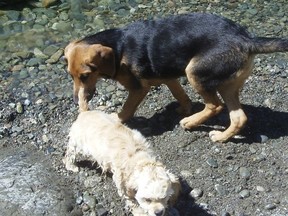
(214, 53)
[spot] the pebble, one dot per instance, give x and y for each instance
(89, 200)
(260, 188)
(212, 162)
(244, 194)
(221, 190)
(100, 210)
(19, 108)
(196, 193)
(55, 57)
(270, 206)
(263, 138)
(244, 172)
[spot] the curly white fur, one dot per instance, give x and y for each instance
(139, 177)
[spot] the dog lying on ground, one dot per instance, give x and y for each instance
(145, 183)
(214, 53)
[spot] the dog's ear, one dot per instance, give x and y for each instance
(176, 186)
(103, 60)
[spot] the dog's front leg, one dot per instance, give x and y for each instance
(134, 99)
(180, 95)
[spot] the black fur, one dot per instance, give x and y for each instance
(162, 48)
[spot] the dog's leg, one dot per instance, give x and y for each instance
(213, 106)
(230, 94)
(237, 117)
(134, 99)
(180, 95)
(70, 159)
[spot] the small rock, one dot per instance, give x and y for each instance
(19, 108)
(17, 129)
(27, 102)
(39, 54)
(244, 172)
(55, 57)
(263, 138)
(196, 193)
(260, 188)
(186, 173)
(221, 190)
(244, 193)
(100, 210)
(270, 206)
(89, 200)
(110, 88)
(212, 163)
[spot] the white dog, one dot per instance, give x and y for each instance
(143, 181)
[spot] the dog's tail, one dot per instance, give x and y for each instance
(268, 45)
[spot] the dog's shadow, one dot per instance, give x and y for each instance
(261, 121)
(186, 204)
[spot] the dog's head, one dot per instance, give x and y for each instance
(156, 189)
(86, 64)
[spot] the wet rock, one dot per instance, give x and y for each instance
(55, 57)
(39, 54)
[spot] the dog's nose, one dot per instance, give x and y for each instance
(159, 212)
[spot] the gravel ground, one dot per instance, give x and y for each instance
(245, 176)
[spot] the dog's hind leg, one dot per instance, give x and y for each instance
(213, 106)
(230, 94)
(237, 116)
(180, 95)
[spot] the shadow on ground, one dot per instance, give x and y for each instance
(261, 121)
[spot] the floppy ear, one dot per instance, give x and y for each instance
(176, 186)
(104, 59)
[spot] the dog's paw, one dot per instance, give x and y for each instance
(217, 136)
(187, 123)
(138, 211)
(70, 166)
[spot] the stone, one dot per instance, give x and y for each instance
(244, 194)
(212, 163)
(19, 108)
(196, 193)
(244, 172)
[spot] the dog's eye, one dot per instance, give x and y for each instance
(84, 77)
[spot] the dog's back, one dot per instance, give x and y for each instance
(104, 139)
